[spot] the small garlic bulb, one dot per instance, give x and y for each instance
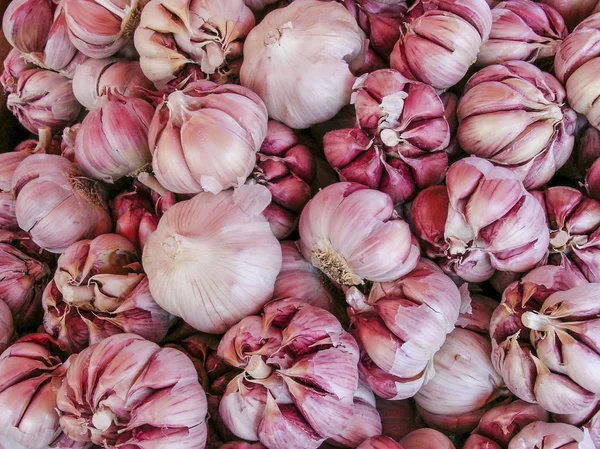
(213, 259)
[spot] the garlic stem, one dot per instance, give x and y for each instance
(257, 367)
(151, 182)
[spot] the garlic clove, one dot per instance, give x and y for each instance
(284, 426)
(365, 423)
(243, 408)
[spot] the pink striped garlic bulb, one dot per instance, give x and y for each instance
(543, 338)
(182, 42)
(298, 381)
(402, 133)
(50, 46)
(205, 137)
(441, 40)
(574, 223)
(400, 325)
(537, 133)
(100, 289)
(576, 63)
(522, 30)
(545, 435)
(157, 400)
(350, 247)
(469, 238)
(31, 372)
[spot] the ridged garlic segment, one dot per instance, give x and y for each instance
(213, 259)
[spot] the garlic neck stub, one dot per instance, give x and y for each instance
(333, 264)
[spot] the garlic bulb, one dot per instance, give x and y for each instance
(50, 189)
(380, 442)
(24, 278)
(576, 62)
(523, 30)
(213, 259)
(99, 289)
(400, 325)
(182, 42)
(112, 141)
(574, 222)
(49, 47)
(285, 165)
(440, 40)
(464, 386)
(533, 142)
(426, 438)
(206, 137)
(353, 234)
(99, 29)
(574, 11)
(543, 337)
(95, 76)
(470, 239)
(299, 60)
(127, 392)
(43, 99)
(14, 65)
(299, 381)
(399, 148)
(31, 371)
(543, 435)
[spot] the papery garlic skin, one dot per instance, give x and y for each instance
(503, 422)
(574, 12)
(576, 61)
(522, 30)
(43, 99)
(213, 259)
(464, 386)
(286, 166)
(430, 438)
(380, 442)
(545, 317)
(441, 41)
(399, 148)
(158, 400)
(49, 190)
(95, 76)
(6, 326)
(574, 223)
(298, 278)
(472, 240)
(179, 43)
(300, 380)
(317, 44)
(545, 435)
(400, 325)
(533, 142)
(31, 370)
(112, 141)
(351, 247)
(205, 137)
(99, 29)
(99, 289)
